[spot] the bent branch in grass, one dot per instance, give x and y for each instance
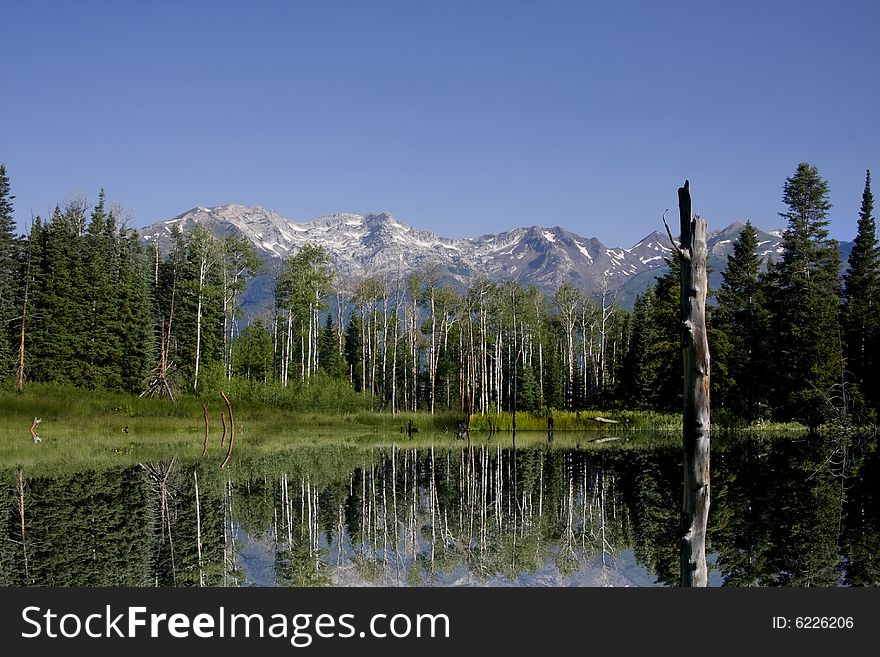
(205, 448)
(231, 430)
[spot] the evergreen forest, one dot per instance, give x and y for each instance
(85, 301)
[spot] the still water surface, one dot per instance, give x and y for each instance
(785, 512)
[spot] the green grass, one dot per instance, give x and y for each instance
(624, 420)
(101, 429)
(104, 429)
(586, 420)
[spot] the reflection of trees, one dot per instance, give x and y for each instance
(861, 529)
(739, 529)
(188, 533)
(651, 482)
(87, 529)
(420, 516)
(785, 512)
(789, 509)
(298, 556)
(12, 543)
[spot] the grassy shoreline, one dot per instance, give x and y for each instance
(101, 428)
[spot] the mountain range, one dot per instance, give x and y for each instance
(379, 244)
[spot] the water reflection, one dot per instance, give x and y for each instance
(790, 512)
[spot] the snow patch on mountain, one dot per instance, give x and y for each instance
(381, 245)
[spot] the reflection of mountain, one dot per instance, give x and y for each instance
(448, 516)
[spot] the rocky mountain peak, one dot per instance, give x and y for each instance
(380, 244)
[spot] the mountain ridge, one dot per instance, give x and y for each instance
(379, 244)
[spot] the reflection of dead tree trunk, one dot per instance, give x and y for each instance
(363, 514)
(603, 517)
(567, 549)
(160, 474)
(286, 511)
(692, 254)
(205, 449)
(413, 507)
(199, 524)
(231, 430)
(228, 536)
(21, 520)
(432, 492)
(340, 530)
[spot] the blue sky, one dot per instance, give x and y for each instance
(458, 117)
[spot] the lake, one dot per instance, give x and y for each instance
(785, 511)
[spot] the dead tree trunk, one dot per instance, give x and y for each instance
(695, 419)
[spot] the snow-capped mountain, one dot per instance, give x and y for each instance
(379, 244)
(720, 242)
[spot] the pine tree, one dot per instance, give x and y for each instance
(59, 339)
(638, 376)
(741, 316)
(353, 351)
(252, 353)
(8, 267)
(331, 361)
(861, 291)
(103, 303)
(135, 326)
(664, 353)
(554, 374)
(528, 396)
(805, 303)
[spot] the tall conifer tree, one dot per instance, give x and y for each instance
(806, 302)
(861, 290)
(742, 317)
(103, 289)
(8, 250)
(135, 325)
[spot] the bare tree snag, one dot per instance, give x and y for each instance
(692, 253)
(161, 385)
(231, 430)
(223, 422)
(205, 449)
